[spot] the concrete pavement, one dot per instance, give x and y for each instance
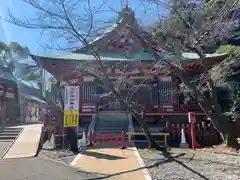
(112, 161)
(3, 147)
(39, 169)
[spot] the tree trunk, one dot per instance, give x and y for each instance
(231, 141)
(144, 126)
(225, 129)
(212, 109)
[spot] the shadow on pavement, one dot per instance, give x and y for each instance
(102, 156)
(168, 159)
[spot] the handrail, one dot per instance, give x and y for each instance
(92, 125)
(130, 123)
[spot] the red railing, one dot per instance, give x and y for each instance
(107, 138)
(206, 134)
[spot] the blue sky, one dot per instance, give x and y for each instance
(35, 40)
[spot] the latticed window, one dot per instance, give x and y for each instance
(89, 92)
(165, 92)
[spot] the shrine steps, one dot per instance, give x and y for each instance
(9, 134)
(111, 123)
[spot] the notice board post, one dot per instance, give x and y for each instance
(71, 108)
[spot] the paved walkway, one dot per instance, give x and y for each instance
(37, 168)
(115, 163)
(27, 143)
(3, 147)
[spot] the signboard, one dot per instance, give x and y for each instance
(71, 118)
(71, 106)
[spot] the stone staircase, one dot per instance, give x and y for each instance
(111, 123)
(9, 134)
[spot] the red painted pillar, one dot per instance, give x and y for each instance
(192, 120)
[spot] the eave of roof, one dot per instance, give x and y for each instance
(141, 56)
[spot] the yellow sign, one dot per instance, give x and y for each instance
(71, 118)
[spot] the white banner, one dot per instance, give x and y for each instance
(71, 98)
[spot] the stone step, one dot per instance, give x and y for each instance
(112, 122)
(112, 125)
(6, 137)
(110, 129)
(6, 140)
(109, 132)
(9, 133)
(116, 132)
(10, 130)
(112, 117)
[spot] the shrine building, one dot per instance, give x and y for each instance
(158, 95)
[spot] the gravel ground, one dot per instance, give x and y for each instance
(191, 165)
(62, 156)
(40, 169)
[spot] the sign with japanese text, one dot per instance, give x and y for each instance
(71, 118)
(71, 106)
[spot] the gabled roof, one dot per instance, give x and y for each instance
(127, 19)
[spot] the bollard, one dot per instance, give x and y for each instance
(122, 141)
